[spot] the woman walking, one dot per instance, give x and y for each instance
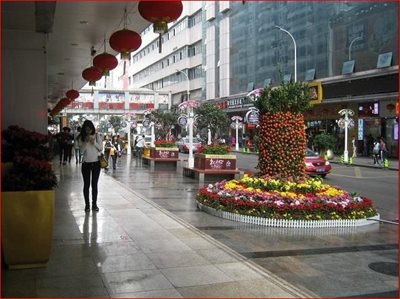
(91, 146)
(115, 150)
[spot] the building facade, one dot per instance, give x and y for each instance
(221, 50)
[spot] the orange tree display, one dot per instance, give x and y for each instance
(282, 129)
(281, 190)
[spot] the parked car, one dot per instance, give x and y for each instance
(316, 165)
(183, 144)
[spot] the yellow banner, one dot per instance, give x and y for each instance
(316, 92)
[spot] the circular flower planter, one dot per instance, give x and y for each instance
(283, 203)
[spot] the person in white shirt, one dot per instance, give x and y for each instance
(91, 145)
(139, 146)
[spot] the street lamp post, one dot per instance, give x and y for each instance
(188, 107)
(190, 122)
(346, 123)
(188, 83)
(237, 123)
(295, 51)
(351, 44)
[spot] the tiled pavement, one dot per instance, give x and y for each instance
(149, 240)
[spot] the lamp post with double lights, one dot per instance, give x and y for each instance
(149, 123)
(295, 50)
(188, 83)
(190, 118)
(237, 124)
(188, 114)
(130, 120)
(345, 123)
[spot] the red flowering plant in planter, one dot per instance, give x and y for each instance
(29, 154)
(164, 143)
(214, 149)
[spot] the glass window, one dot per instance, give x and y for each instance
(323, 32)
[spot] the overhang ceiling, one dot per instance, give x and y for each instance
(72, 29)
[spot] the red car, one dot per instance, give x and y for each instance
(316, 165)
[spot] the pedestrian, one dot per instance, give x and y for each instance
(134, 146)
(365, 146)
(383, 150)
(115, 150)
(70, 144)
(91, 146)
(353, 142)
(140, 146)
(106, 149)
(78, 158)
(65, 145)
(375, 152)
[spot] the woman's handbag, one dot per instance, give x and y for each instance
(103, 161)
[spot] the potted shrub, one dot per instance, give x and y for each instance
(214, 157)
(27, 198)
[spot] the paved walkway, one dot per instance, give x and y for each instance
(135, 248)
(150, 240)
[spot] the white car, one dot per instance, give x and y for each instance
(183, 144)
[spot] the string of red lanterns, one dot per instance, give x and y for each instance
(126, 41)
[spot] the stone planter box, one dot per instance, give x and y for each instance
(215, 162)
(164, 152)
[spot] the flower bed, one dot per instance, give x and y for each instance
(273, 198)
(165, 143)
(214, 149)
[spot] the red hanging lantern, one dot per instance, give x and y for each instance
(92, 74)
(72, 94)
(125, 41)
(160, 13)
(105, 62)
